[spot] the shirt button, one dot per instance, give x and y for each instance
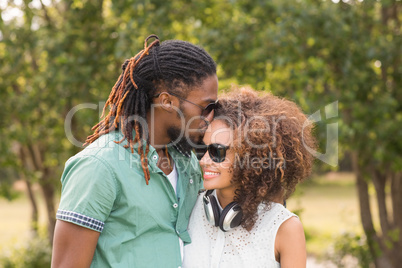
(154, 157)
(175, 205)
(191, 181)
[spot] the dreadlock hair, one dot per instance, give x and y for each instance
(175, 65)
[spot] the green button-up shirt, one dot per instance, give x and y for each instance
(103, 188)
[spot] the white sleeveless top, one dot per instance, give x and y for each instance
(211, 247)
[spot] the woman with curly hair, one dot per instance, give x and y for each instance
(254, 155)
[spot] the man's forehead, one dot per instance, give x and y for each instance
(207, 91)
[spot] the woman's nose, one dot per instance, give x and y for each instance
(205, 160)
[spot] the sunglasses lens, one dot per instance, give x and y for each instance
(210, 107)
(217, 152)
(200, 151)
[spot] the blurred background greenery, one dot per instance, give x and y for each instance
(56, 54)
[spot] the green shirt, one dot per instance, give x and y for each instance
(103, 189)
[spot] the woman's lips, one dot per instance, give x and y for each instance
(210, 174)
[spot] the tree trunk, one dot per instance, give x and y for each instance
(396, 195)
(364, 203)
(35, 156)
(24, 155)
(379, 181)
(34, 207)
(48, 194)
(389, 243)
(377, 247)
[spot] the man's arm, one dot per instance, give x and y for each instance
(73, 245)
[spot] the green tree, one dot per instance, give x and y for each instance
(53, 58)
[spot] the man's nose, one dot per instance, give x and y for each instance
(210, 116)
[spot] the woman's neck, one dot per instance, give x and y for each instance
(225, 196)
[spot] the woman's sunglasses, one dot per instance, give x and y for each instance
(216, 151)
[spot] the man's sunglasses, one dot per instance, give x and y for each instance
(217, 152)
(205, 111)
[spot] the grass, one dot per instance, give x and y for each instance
(15, 218)
(327, 206)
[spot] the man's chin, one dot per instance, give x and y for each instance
(181, 141)
(197, 139)
(187, 142)
(202, 131)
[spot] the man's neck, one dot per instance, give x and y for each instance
(157, 134)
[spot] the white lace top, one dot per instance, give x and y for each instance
(211, 247)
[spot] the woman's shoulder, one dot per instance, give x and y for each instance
(291, 226)
(274, 211)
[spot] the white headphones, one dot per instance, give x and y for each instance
(230, 217)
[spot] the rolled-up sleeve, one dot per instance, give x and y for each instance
(89, 191)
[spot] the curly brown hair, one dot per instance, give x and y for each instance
(271, 137)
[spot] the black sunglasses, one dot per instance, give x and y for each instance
(205, 111)
(216, 151)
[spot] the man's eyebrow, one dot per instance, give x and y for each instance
(210, 100)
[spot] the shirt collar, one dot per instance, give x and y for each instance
(178, 147)
(181, 150)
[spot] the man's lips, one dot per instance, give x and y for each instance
(203, 130)
(205, 124)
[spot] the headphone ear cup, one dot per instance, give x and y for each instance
(230, 217)
(215, 209)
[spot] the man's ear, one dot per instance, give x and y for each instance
(165, 102)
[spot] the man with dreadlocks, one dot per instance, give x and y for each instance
(127, 197)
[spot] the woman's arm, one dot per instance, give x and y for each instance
(290, 244)
(73, 245)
